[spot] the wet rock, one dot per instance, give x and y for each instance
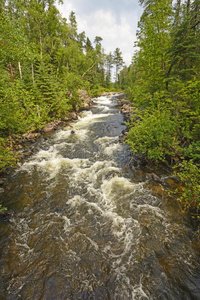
(71, 116)
(153, 177)
(28, 153)
(48, 128)
(73, 132)
(9, 187)
(51, 126)
(112, 174)
(126, 108)
(29, 136)
(5, 215)
(2, 181)
(124, 132)
(121, 138)
(20, 156)
(19, 147)
(34, 135)
(158, 190)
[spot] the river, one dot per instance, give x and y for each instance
(84, 228)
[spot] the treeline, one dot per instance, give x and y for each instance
(163, 82)
(43, 62)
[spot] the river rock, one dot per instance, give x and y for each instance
(48, 128)
(126, 108)
(153, 177)
(30, 135)
(19, 147)
(86, 100)
(2, 181)
(72, 115)
(5, 215)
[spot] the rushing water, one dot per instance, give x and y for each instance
(83, 228)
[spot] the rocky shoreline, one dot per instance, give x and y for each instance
(18, 143)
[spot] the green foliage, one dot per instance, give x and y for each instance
(189, 194)
(165, 74)
(43, 63)
(163, 82)
(2, 209)
(153, 135)
(7, 157)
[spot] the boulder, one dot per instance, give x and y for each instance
(86, 100)
(153, 177)
(126, 109)
(71, 116)
(48, 128)
(32, 136)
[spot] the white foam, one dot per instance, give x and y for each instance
(65, 134)
(111, 149)
(104, 100)
(106, 140)
(115, 186)
(90, 118)
(96, 171)
(51, 162)
(67, 225)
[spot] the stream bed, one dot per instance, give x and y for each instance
(83, 227)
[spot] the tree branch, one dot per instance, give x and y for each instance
(88, 69)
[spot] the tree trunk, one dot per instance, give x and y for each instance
(41, 47)
(188, 6)
(177, 15)
(20, 70)
(32, 73)
(11, 71)
(38, 111)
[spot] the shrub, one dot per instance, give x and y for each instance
(153, 135)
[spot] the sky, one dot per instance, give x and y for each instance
(115, 21)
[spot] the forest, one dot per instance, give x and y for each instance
(163, 82)
(43, 62)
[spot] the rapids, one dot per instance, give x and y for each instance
(84, 228)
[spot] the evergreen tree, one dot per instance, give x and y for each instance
(118, 61)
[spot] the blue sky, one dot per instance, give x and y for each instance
(113, 20)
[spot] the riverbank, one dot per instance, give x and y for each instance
(27, 144)
(158, 176)
(77, 195)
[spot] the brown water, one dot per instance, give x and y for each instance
(84, 228)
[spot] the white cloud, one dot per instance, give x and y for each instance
(115, 21)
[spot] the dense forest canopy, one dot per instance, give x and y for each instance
(43, 62)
